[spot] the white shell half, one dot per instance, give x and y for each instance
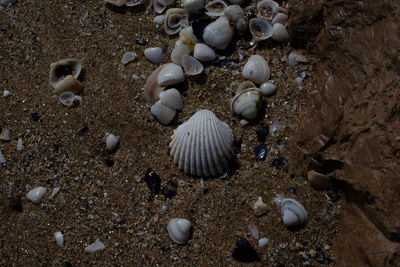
(36, 194)
(95, 246)
(162, 113)
(160, 5)
(279, 33)
(172, 99)
(203, 52)
(180, 49)
(151, 88)
(218, 33)
(191, 65)
(154, 54)
(193, 6)
(134, 2)
(267, 9)
(267, 88)
(112, 141)
(159, 20)
(202, 146)
(58, 236)
(175, 20)
(256, 69)
(179, 230)
(281, 18)
(260, 29)
(293, 213)
(246, 104)
(170, 74)
(215, 8)
(62, 68)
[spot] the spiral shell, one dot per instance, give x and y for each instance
(293, 213)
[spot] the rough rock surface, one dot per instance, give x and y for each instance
(357, 126)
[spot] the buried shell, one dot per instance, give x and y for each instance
(175, 20)
(202, 146)
(260, 29)
(256, 69)
(62, 68)
(160, 5)
(218, 33)
(293, 213)
(179, 230)
(236, 16)
(279, 33)
(172, 99)
(191, 65)
(247, 103)
(215, 8)
(151, 88)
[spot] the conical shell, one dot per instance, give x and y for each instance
(202, 146)
(62, 68)
(179, 230)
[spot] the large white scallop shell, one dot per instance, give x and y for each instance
(202, 146)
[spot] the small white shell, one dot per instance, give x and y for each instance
(267, 88)
(159, 19)
(116, 2)
(172, 99)
(187, 36)
(6, 93)
(295, 57)
(202, 146)
(218, 33)
(128, 57)
(235, 15)
(293, 213)
(160, 5)
(281, 18)
(279, 33)
(62, 68)
(191, 65)
(193, 6)
(203, 52)
(180, 49)
(112, 141)
(133, 2)
(54, 192)
(5, 135)
(20, 144)
(36, 194)
(262, 242)
(69, 99)
(260, 29)
(68, 84)
(215, 8)
(267, 9)
(162, 113)
(247, 103)
(59, 239)
(170, 74)
(256, 69)
(175, 20)
(179, 230)
(154, 54)
(95, 246)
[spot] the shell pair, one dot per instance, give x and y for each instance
(165, 108)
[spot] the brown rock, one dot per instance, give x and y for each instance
(319, 181)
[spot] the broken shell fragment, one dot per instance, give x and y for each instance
(62, 68)
(20, 144)
(151, 88)
(172, 99)
(193, 6)
(112, 141)
(219, 33)
(279, 33)
(203, 52)
(191, 65)
(203, 145)
(256, 69)
(159, 19)
(128, 57)
(247, 103)
(175, 20)
(215, 8)
(162, 113)
(5, 135)
(319, 181)
(180, 49)
(293, 213)
(267, 88)
(160, 5)
(179, 230)
(170, 74)
(58, 236)
(69, 99)
(260, 29)
(95, 246)
(260, 208)
(116, 2)
(154, 54)
(68, 84)
(35, 195)
(295, 57)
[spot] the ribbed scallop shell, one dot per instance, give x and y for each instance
(202, 146)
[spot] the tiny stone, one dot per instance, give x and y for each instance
(6, 93)
(283, 245)
(5, 135)
(135, 77)
(20, 144)
(303, 75)
(244, 122)
(304, 255)
(2, 159)
(299, 80)
(244, 252)
(34, 115)
(260, 207)
(153, 181)
(254, 231)
(263, 242)
(54, 192)
(141, 42)
(95, 246)
(279, 74)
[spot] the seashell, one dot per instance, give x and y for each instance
(134, 2)
(263, 242)
(260, 208)
(175, 19)
(6, 93)
(260, 151)
(260, 29)
(215, 8)
(171, 98)
(20, 144)
(267, 88)
(162, 113)
(95, 246)
(256, 69)
(116, 2)
(54, 192)
(187, 36)
(159, 19)
(247, 103)
(218, 33)
(236, 16)
(254, 231)
(180, 49)
(244, 86)
(59, 239)
(151, 88)
(267, 9)
(279, 33)
(202, 146)
(193, 6)
(295, 57)
(293, 213)
(154, 54)
(112, 141)
(281, 18)
(203, 52)
(62, 68)
(160, 5)
(191, 65)
(2, 159)
(170, 74)
(128, 57)
(69, 99)
(68, 84)
(5, 135)
(35, 195)
(179, 230)
(319, 181)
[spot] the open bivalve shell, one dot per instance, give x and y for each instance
(162, 113)
(260, 29)
(170, 74)
(191, 65)
(215, 8)
(268, 8)
(175, 20)
(179, 230)
(202, 146)
(160, 5)
(193, 6)
(247, 103)
(279, 33)
(219, 33)
(172, 99)
(203, 52)
(293, 213)
(256, 69)
(60, 69)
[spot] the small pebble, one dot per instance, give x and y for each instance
(303, 75)
(169, 190)
(36, 194)
(59, 239)
(254, 231)
(20, 144)
(6, 93)
(128, 57)
(141, 42)
(299, 80)
(262, 242)
(244, 252)
(304, 255)
(260, 207)
(244, 122)
(95, 246)
(261, 151)
(2, 159)
(153, 181)
(283, 245)
(135, 77)
(5, 135)
(54, 192)
(112, 142)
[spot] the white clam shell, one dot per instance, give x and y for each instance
(256, 69)
(162, 113)
(203, 52)
(247, 103)
(267, 88)
(171, 74)
(267, 9)
(175, 20)
(193, 6)
(58, 236)
(281, 18)
(62, 68)
(260, 29)
(116, 2)
(279, 33)
(295, 57)
(35, 195)
(159, 19)
(235, 15)
(180, 49)
(112, 141)
(202, 146)
(293, 213)
(187, 36)
(154, 54)
(172, 99)
(191, 65)
(134, 2)
(219, 33)
(160, 5)
(95, 246)
(215, 8)
(69, 99)
(179, 230)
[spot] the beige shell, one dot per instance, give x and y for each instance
(62, 68)
(175, 20)
(68, 84)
